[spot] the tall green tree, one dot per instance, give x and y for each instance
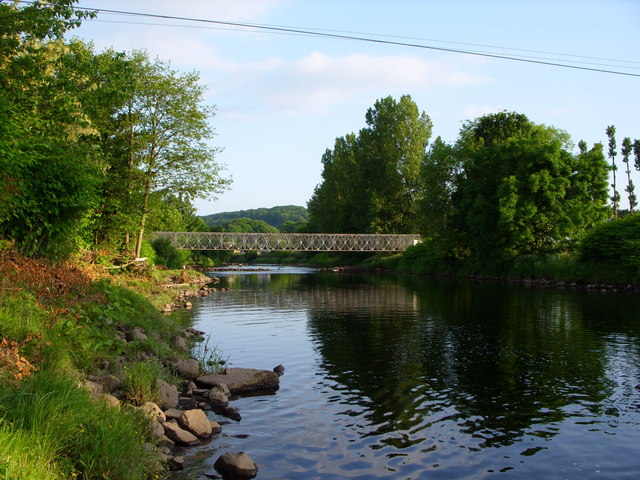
(331, 207)
(48, 171)
(438, 174)
(169, 137)
(371, 182)
(627, 148)
(615, 195)
(521, 191)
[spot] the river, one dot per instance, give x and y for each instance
(403, 377)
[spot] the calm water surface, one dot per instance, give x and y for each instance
(410, 378)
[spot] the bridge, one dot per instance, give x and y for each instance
(290, 242)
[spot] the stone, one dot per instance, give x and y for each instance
(179, 342)
(216, 398)
(110, 400)
(138, 334)
(176, 463)
(94, 389)
(236, 465)
(168, 394)
(196, 422)
(157, 428)
(179, 435)
(229, 412)
(173, 413)
(279, 370)
(110, 383)
(215, 427)
(188, 367)
(242, 380)
(153, 411)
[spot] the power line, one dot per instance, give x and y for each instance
(241, 29)
(357, 37)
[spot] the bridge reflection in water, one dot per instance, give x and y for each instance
(292, 242)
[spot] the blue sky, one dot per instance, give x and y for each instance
(283, 99)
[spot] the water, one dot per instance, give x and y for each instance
(410, 378)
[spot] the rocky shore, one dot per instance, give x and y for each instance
(182, 415)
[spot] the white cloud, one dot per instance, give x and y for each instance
(319, 81)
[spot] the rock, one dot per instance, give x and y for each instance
(157, 428)
(188, 305)
(168, 308)
(229, 412)
(95, 389)
(187, 403)
(188, 367)
(215, 427)
(279, 370)
(179, 435)
(153, 411)
(236, 465)
(242, 380)
(216, 398)
(173, 413)
(176, 463)
(138, 334)
(110, 400)
(168, 394)
(196, 422)
(179, 342)
(110, 383)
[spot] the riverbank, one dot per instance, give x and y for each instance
(67, 331)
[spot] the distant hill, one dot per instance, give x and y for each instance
(276, 216)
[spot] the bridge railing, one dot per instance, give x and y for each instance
(311, 242)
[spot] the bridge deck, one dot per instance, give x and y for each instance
(310, 242)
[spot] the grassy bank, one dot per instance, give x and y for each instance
(60, 323)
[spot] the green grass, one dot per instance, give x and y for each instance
(79, 437)
(140, 382)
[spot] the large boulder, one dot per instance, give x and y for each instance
(188, 367)
(153, 412)
(196, 422)
(168, 394)
(236, 465)
(179, 435)
(241, 380)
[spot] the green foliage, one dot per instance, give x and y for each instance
(90, 440)
(139, 384)
(23, 456)
(616, 242)
(520, 191)
(247, 225)
(167, 254)
(370, 182)
(276, 216)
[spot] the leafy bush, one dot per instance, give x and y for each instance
(614, 242)
(169, 255)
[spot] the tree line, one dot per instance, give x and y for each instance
(507, 187)
(95, 147)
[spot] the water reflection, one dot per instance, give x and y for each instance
(410, 377)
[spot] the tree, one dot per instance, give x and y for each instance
(521, 191)
(48, 173)
(630, 189)
(615, 196)
(438, 174)
(331, 207)
(371, 182)
(391, 150)
(168, 137)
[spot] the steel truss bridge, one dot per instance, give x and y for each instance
(292, 242)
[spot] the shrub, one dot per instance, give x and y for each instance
(169, 255)
(614, 242)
